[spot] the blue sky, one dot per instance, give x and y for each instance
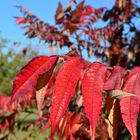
(45, 9)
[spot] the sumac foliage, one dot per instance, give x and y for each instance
(67, 84)
(115, 42)
(76, 98)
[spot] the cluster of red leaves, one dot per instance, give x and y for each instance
(35, 27)
(76, 28)
(57, 78)
(69, 21)
(81, 18)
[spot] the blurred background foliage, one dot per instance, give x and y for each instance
(11, 62)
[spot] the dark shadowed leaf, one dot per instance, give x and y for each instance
(115, 79)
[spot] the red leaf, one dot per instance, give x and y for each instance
(65, 84)
(20, 20)
(115, 79)
(130, 105)
(92, 86)
(59, 12)
(4, 102)
(25, 81)
(137, 83)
